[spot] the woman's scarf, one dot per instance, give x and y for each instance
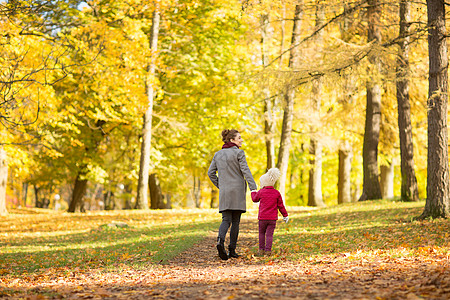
(229, 145)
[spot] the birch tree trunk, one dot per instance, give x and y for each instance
(144, 165)
(409, 189)
(315, 146)
(371, 184)
(437, 204)
(345, 167)
(345, 148)
(286, 130)
(387, 181)
(3, 180)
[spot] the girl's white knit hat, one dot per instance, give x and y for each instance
(270, 177)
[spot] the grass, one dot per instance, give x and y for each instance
(378, 228)
(35, 240)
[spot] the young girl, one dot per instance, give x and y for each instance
(270, 202)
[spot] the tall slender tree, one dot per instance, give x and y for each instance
(288, 115)
(315, 147)
(3, 181)
(269, 117)
(345, 147)
(409, 189)
(371, 184)
(144, 166)
(345, 166)
(437, 204)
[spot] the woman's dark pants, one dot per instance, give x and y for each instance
(230, 218)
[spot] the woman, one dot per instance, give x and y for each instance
(233, 175)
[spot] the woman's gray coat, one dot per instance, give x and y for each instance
(233, 175)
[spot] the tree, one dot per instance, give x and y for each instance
(3, 181)
(409, 190)
(344, 183)
(33, 48)
(90, 127)
(315, 148)
(345, 151)
(371, 184)
(269, 116)
(156, 196)
(289, 97)
(144, 167)
(437, 203)
(387, 180)
(204, 89)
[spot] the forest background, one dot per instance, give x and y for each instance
(90, 90)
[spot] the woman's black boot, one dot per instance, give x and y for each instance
(221, 248)
(232, 253)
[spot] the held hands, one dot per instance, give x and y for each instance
(286, 219)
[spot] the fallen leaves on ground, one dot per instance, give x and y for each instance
(199, 273)
(358, 251)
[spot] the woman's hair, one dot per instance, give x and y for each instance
(229, 134)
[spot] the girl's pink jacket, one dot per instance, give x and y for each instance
(270, 202)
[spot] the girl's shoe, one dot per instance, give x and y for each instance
(261, 252)
(268, 253)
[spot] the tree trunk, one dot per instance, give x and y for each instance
(315, 175)
(108, 199)
(345, 167)
(79, 190)
(387, 181)
(3, 180)
(25, 194)
(269, 118)
(126, 204)
(301, 177)
(437, 204)
(197, 191)
(283, 33)
(168, 204)
(345, 194)
(37, 201)
(269, 130)
(409, 189)
(156, 195)
(356, 192)
(371, 184)
(214, 197)
(286, 130)
(144, 166)
(315, 147)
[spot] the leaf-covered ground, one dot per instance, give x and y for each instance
(367, 250)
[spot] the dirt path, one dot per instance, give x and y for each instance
(199, 273)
